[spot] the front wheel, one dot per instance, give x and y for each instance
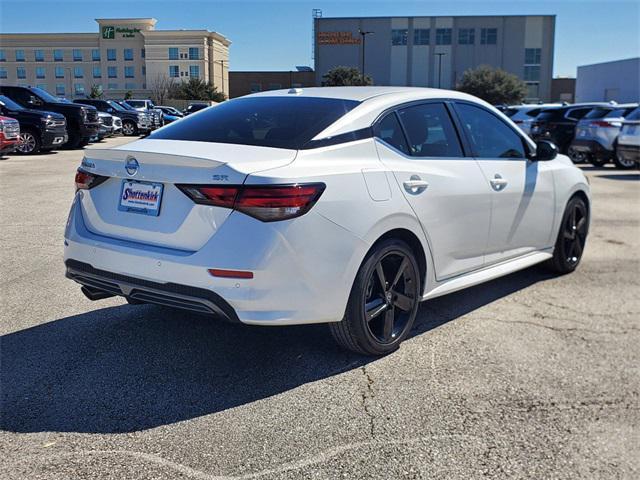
(29, 142)
(572, 237)
(129, 129)
(383, 302)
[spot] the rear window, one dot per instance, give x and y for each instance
(635, 115)
(546, 115)
(137, 103)
(279, 122)
(598, 112)
(510, 112)
(534, 113)
(620, 112)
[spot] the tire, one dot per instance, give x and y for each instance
(129, 128)
(576, 156)
(73, 142)
(31, 142)
(572, 237)
(598, 161)
(623, 164)
(383, 302)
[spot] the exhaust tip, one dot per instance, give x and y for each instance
(94, 294)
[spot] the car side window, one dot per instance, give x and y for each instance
(430, 131)
(390, 131)
(20, 96)
(490, 136)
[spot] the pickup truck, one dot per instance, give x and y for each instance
(9, 134)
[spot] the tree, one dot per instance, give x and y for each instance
(198, 89)
(96, 91)
(345, 77)
(162, 87)
(128, 95)
(493, 85)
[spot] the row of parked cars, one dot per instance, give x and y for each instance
(32, 120)
(587, 132)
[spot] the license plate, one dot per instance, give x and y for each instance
(140, 197)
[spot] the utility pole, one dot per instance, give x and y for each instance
(222, 62)
(363, 34)
(440, 55)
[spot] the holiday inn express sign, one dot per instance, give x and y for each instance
(109, 32)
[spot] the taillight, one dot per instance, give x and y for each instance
(268, 203)
(604, 123)
(86, 180)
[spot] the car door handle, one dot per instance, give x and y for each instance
(498, 183)
(415, 185)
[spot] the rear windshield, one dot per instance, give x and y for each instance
(280, 122)
(620, 112)
(598, 112)
(546, 115)
(137, 103)
(635, 115)
(510, 112)
(534, 113)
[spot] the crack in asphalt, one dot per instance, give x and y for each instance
(574, 310)
(368, 394)
(569, 329)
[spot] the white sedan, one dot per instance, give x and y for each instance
(344, 205)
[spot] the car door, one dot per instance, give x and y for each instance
(523, 195)
(445, 189)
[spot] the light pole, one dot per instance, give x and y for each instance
(222, 62)
(363, 34)
(440, 55)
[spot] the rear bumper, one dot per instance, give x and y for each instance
(592, 147)
(299, 278)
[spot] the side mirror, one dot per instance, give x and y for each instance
(545, 150)
(34, 101)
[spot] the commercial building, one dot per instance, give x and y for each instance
(244, 83)
(126, 54)
(603, 82)
(563, 89)
(435, 51)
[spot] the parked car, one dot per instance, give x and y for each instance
(597, 132)
(524, 115)
(170, 114)
(347, 205)
(9, 134)
(133, 122)
(117, 125)
(148, 107)
(82, 121)
(39, 130)
(195, 107)
(558, 125)
(106, 125)
(628, 144)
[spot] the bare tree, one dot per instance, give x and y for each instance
(162, 88)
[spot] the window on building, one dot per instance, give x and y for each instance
(532, 73)
(532, 56)
(40, 72)
(97, 72)
(112, 86)
(19, 55)
(78, 72)
(3, 56)
(430, 131)
(443, 36)
(399, 36)
(59, 72)
(95, 54)
(466, 36)
(421, 36)
(77, 55)
(256, 87)
(144, 70)
(21, 72)
(129, 72)
(173, 53)
(3, 72)
(533, 91)
(490, 136)
(78, 88)
(130, 86)
(174, 71)
(489, 36)
(143, 53)
(111, 54)
(112, 72)
(60, 89)
(194, 71)
(128, 54)
(194, 53)
(38, 55)
(58, 55)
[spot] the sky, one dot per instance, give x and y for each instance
(270, 35)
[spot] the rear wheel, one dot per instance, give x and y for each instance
(576, 156)
(383, 303)
(622, 162)
(29, 142)
(129, 128)
(571, 237)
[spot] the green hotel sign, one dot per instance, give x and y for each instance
(109, 32)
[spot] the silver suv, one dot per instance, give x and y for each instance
(147, 106)
(596, 133)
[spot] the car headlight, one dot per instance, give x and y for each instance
(48, 122)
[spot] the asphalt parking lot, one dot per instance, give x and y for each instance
(529, 376)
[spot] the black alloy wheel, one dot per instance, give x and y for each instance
(383, 302)
(572, 237)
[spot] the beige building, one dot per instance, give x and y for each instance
(127, 54)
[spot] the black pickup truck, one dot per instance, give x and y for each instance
(39, 130)
(82, 120)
